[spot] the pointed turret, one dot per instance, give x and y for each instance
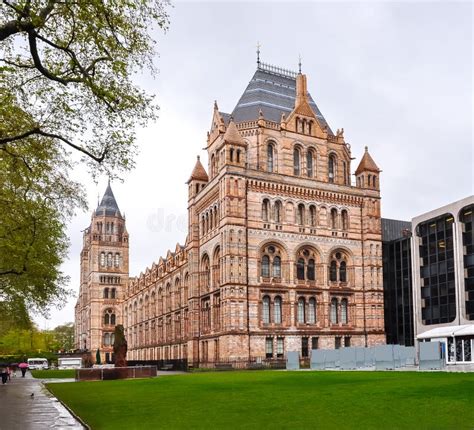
(199, 173)
(108, 205)
(198, 179)
(367, 172)
(232, 135)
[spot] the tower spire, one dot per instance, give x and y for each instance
(299, 64)
(258, 54)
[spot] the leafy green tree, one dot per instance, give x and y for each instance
(66, 93)
(64, 337)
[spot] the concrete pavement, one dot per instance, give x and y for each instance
(21, 411)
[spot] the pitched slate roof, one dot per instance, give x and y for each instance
(108, 205)
(273, 91)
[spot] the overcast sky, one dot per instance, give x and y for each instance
(396, 76)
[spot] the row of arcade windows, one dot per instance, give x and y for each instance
(305, 216)
(310, 163)
(109, 259)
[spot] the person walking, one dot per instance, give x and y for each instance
(3, 372)
(23, 367)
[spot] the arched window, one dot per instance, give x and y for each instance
(231, 155)
(334, 316)
(117, 259)
(344, 172)
(270, 158)
(374, 181)
(296, 162)
(265, 209)
(312, 215)
(331, 167)
(306, 264)
(301, 312)
(309, 164)
(238, 156)
(300, 269)
(216, 268)
(344, 311)
(345, 220)
(333, 271)
(342, 272)
(333, 219)
(109, 259)
(109, 317)
(277, 267)
(113, 293)
(266, 310)
(271, 262)
(106, 340)
(278, 211)
(265, 266)
(338, 267)
(312, 310)
(102, 258)
(277, 310)
(106, 293)
(301, 211)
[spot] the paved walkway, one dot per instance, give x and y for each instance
(20, 411)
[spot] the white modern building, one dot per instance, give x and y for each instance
(443, 279)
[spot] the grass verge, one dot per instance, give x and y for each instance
(275, 399)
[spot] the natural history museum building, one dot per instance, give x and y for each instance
(283, 251)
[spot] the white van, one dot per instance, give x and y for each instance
(38, 363)
(69, 363)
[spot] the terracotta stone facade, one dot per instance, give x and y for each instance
(283, 252)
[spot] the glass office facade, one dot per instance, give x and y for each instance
(437, 272)
(466, 219)
(398, 292)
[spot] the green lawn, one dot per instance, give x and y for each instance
(275, 399)
(53, 373)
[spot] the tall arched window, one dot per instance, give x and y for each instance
(300, 269)
(334, 316)
(301, 306)
(277, 211)
(266, 310)
(331, 167)
(301, 214)
(333, 219)
(117, 259)
(345, 220)
(265, 266)
(205, 269)
(310, 271)
(270, 158)
(344, 311)
(312, 310)
(309, 163)
(106, 293)
(265, 209)
(277, 310)
(113, 293)
(109, 259)
(296, 162)
(102, 258)
(333, 271)
(344, 172)
(312, 216)
(277, 267)
(342, 272)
